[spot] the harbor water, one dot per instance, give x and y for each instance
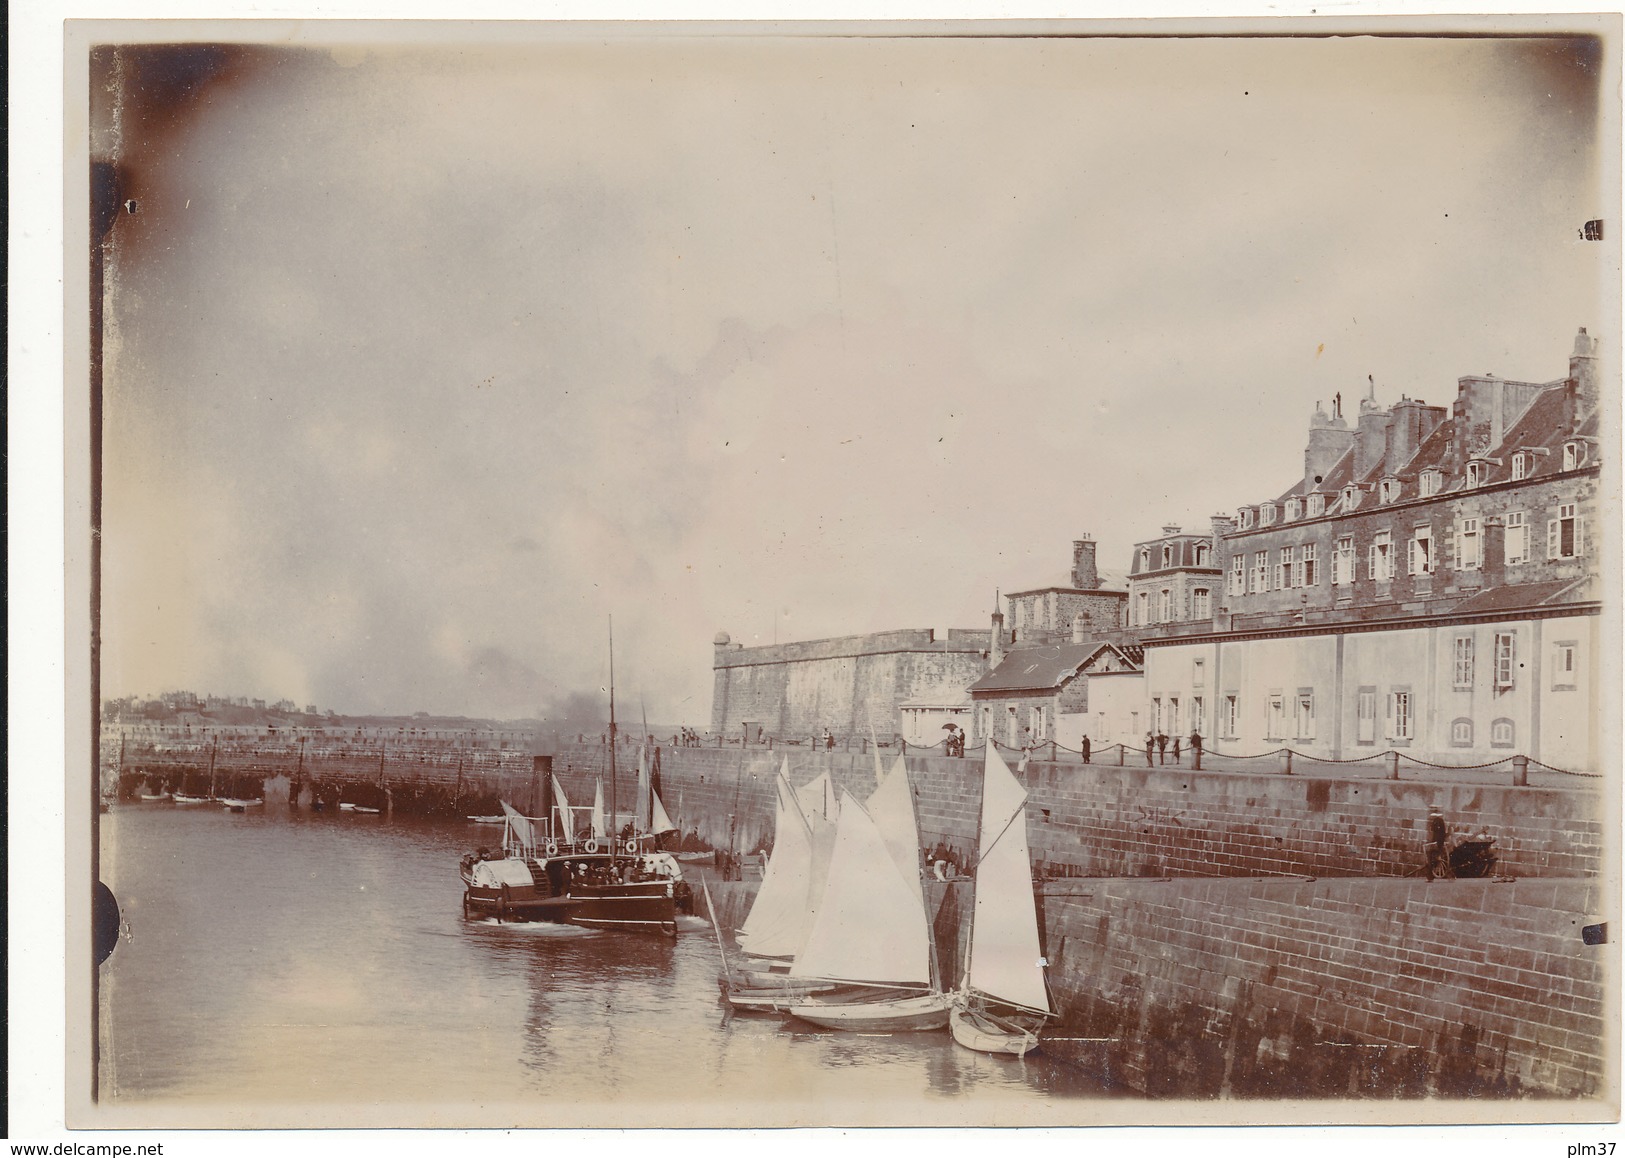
(279, 966)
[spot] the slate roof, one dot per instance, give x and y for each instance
(1036, 668)
(1132, 655)
(1543, 425)
(1519, 596)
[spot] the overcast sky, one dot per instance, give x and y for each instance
(423, 363)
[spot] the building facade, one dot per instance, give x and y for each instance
(1173, 578)
(1430, 585)
(1054, 615)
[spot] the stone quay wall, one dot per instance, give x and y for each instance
(1099, 820)
(1094, 820)
(1313, 989)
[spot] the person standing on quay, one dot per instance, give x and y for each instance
(1162, 747)
(1150, 749)
(1176, 749)
(1086, 749)
(1438, 838)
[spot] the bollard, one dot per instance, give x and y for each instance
(1520, 771)
(1121, 748)
(1288, 752)
(1393, 771)
(1053, 749)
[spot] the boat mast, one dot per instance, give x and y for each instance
(614, 813)
(930, 924)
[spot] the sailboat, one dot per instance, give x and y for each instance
(779, 919)
(870, 929)
(1002, 997)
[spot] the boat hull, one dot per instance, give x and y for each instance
(983, 1034)
(923, 1013)
(650, 906)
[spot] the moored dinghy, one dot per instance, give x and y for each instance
(1003, 997)
(870, 930)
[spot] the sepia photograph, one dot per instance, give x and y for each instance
(671, 575)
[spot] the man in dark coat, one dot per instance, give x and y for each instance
(1438, 837)
(1086, 749)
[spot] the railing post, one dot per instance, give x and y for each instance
(1393, 767)
(1054, 748)
(1121, 750)
(1520, 771)
(1288, 752)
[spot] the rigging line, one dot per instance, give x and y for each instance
(981, 854)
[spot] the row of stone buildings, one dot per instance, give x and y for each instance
(1430, 584)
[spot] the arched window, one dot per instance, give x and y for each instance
(1461, 732)
(1502, 733)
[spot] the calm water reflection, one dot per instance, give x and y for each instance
(316, 959)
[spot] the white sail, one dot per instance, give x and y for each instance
(892, 809)
(658, 820)
(523, 832)
(598, 829)
(777, 923)
(817, 797)
(644, 791)
(1004, 953)
(652, 816)
(869, 926)
(562, 803)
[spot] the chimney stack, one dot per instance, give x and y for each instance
(1371, 439)
(1583, 375)
(1329, 440)
(1084, 575)
(995, 648)
(1080, 628)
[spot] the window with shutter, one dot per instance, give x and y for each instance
(1563, 534)
(1517, 538)
(1367, 716)
(1505, 659)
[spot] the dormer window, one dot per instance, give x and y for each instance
(1145, 558)
(1388, 490)
(1477, 472)
(1317, 505)
(1523, 465)
(1430, 482)
(1351, 497)
(1246, 514)
(1167, 555)
(1199, 555)
(1293, 510)
(1266, 514)
(1574, 454)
